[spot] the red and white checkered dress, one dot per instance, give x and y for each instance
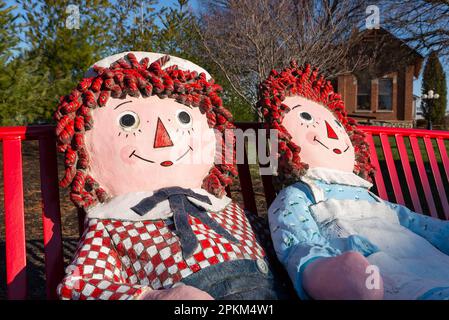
(119, 259)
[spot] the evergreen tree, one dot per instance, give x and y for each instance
(434, 78)
(8, 37)
(25, 97)
(65, 39)
(8, 42)
(135, 27)
(61, 40)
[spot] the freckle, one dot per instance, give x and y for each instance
(126, 135)
(148, 121)
(119, 134)
(139, 130)
(134, 134)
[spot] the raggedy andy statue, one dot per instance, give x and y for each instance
(330, 232)
(139, 139)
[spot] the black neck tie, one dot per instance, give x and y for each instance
(181, 208)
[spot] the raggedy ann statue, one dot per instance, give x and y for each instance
(138, 134)
(330, 232)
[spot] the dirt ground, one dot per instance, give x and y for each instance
(33, 221)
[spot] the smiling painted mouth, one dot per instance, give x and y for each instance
(336, 150)
(166, 163)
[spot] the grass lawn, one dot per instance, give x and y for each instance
(422, 148)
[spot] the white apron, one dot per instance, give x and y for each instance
(410, 266)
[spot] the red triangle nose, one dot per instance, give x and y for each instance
(161, 138)
(330, 132)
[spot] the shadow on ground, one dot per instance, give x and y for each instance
(35, 272)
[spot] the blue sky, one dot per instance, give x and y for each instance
(195, 4)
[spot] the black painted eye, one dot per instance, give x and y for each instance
(339, 123)
(128, 120)
(184, 118)
(306, 117)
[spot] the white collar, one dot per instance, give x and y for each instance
(119, 207)
(335, 176)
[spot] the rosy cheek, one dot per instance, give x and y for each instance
(125, 153)
(310, 137)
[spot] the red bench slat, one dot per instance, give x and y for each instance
(408, 173)
(246, 185)
(392, 169)
(437, 176)
(423, 175)
(51, 215)
(444, 157)
(14, 218)
(81, 219)
(270, 193)
(267, 180)
(378, 179)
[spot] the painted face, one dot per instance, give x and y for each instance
(144, 144)
(322, 138)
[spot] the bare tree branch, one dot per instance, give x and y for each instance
(211, 56)
(246, 39)
(423, 24)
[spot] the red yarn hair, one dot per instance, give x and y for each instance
(131, 77)
(306, 82)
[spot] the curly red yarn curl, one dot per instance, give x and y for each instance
(308, 83)
(131, 77)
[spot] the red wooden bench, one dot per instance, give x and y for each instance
(421, 185)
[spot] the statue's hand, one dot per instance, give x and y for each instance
(178, 293)
(341, 277)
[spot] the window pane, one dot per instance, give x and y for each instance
(385, 86)
(363, 102)
(385, 94)
(363, 93)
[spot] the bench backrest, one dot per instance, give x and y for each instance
(427, 191)
(15, 245)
